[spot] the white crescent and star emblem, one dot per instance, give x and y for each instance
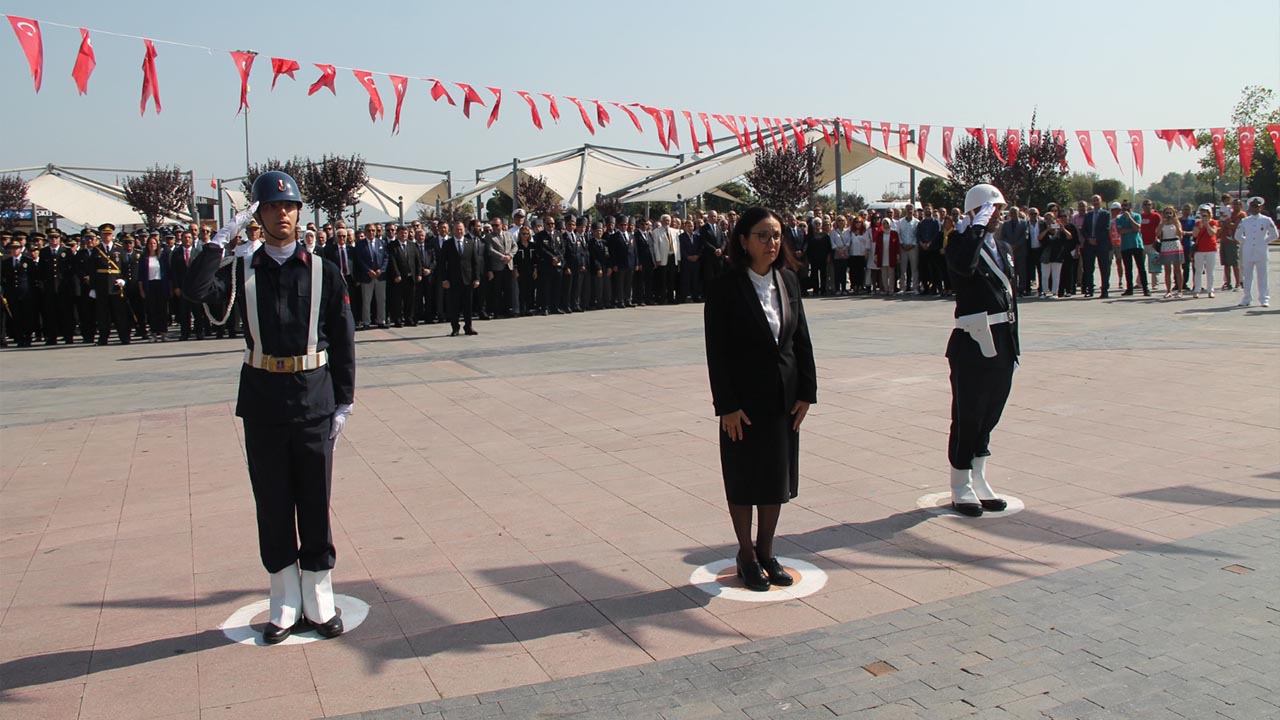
(1246, 137)
(27, 27)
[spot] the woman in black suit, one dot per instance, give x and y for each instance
(763, 380)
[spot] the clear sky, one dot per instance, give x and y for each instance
(1086, 64)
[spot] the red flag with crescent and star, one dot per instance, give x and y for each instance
(670, 115)
(731, 124)
(85, 62)
(634, 120)
(1219, 136)
(533, 109)
(1012, 141)
(993, 141)
(947, 133)
(1245, 136)
(866, 130)
(656, 114)
(602, 115)
(244, 64)
(978, 134)
(693, 132)
(924, 140)
(847, 126)
(438, 90)
(28, 32)
(904, 137)
(399, 83)
(1135, 139)
(328, 74)
(1109, 136)
(375, 100)
(1086, 146)
(582, 111)
(884, 135)
(469, 97)
(282, 66)
(706, 125)
(1060, 138)
(1274, 132)
(150, 82)
(497, 104)
(552, 107)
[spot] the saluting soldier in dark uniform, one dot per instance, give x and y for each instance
(107, 264)
(297, 387)
(983, 349)
(58, 283)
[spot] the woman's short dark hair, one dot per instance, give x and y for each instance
(738, 256)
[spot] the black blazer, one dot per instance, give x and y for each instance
(979, 288)
(749, 371)
(459, 269)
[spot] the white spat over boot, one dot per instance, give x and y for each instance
(285, 605)
(986, 496)
(963, 498)
(317, 602)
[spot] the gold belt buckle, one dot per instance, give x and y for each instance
(283, 364)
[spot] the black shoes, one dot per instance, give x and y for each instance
(273, 634)
(469, 331)
(777, 574)
(454, 333)
(995, 505)
(331, 629)
(753, 576)
(968, 509)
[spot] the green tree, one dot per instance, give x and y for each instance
(1177, 189)
(1036, 177)
(158, 193)
(936, 192)
(785, 179)
(332, 184)
(1257, 107)
(295, 167)
(1080, 185)
(1110, 189)
(13, 197)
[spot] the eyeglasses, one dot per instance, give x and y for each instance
(766, 237)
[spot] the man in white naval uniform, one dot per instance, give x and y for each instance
(1253, 234)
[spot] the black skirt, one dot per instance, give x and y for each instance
(763, 468)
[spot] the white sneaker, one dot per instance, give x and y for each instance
(1211, 294)
(1266, 303)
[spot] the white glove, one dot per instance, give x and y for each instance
(339, 420)
(93, 294)
(119, 282)
(983, 216)
(233, 228)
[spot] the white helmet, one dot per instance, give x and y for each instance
(981, 194)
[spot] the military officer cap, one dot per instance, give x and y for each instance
(253, 224)
(1256, 200)
(106, 227)
(20, 236)
(154, 233)
(73, 239)
(12, 244)
(35, 236)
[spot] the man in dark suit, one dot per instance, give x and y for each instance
(404, 269)
(371, 268)
(622, 253)
(983, 348)
(712, 253)
(690, 269)
(645, 264)
(426, 249)
(460, 269)
(188, 313)
(575, 266)
(58, 290)
(550, 251)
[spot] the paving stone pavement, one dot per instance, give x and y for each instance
(1185, 631)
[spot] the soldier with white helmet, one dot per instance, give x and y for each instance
(1254, 233)
(983, 349)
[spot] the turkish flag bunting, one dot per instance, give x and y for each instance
(586, 119)
(656, 114)
(731, 124)
(1219, 136)
(85, 62)
(670, 115)
(978, 135)
(759, 135)
(1274, 132)
(497, 104)
(282, 66)
(634, 120)
(399, 83)
(150, 83)
(801, 143)
(327, 75)
(602, 115)
(28, 32)
(706, 125)
(826, 134)
(782, 124)
(469, 97)
(866, 130)
(1135, 139)
(776, 134)
(244, 63)
(554, 109)
(904, 137)
(993, 142)
(1245, 137)
(924, 140)
(1033, 137)
(847, 127)
(1109, 136)
(1013, 140)
(1060, 138)
(213, 183)
(438, 91)
(533, 108)
(375, 100)
(1086, 146)
(693, 132)
(947, 132)
(884, 133)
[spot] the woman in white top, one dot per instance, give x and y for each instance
(859, 249)
(153, 284)
(841, 242)
(1170, 239)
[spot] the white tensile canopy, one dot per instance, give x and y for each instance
(378, 194)
(704, 174)
(584, 171)
(83, 202)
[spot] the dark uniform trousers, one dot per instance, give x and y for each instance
(112, 309)
(979, 384)
(290, 466)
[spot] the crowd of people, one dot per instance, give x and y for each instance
(55, 286)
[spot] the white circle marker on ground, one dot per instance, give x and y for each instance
(720, 579)
(237, 627)
(940, 504)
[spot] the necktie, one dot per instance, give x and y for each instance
(342, 256)
(186, 255)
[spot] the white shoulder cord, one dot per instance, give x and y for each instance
(231, 303)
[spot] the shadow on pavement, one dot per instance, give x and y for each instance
(1190, 495)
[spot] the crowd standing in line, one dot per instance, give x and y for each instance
(57, 286)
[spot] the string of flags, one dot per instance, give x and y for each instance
(750, 132)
